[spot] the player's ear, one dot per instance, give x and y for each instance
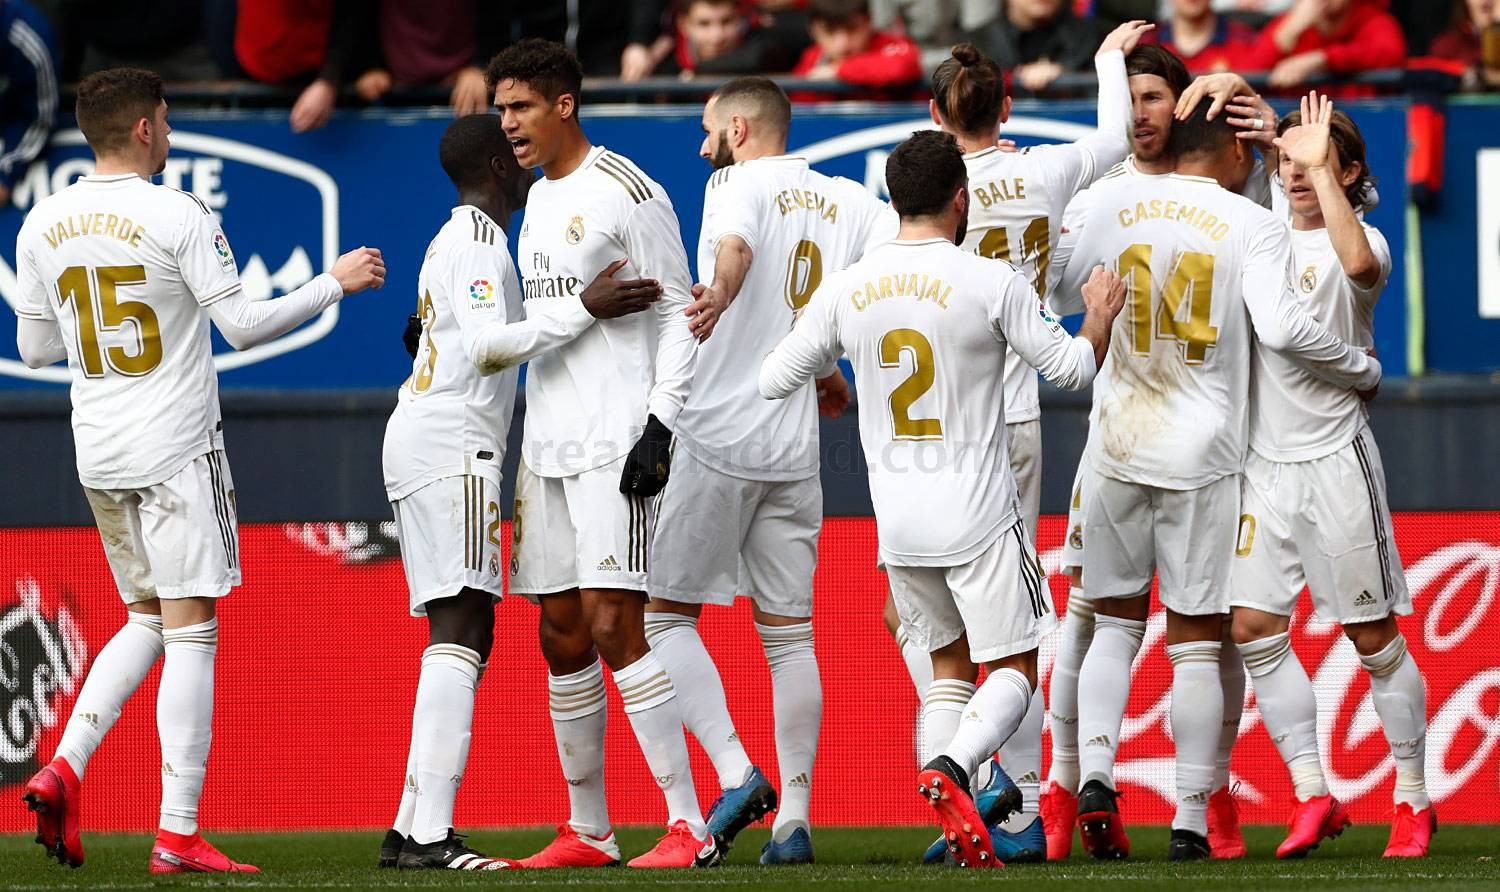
(1005, 110)
(567, 106)
(933, 110)
(142, 131)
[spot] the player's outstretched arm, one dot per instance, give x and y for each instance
(808, 350)
(1110, 141)
(1069, 362)
(732, 258)
(1310, 146)
(1282, 325)
(39, 341)
(246, 323)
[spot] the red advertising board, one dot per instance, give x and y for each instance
(318, 663)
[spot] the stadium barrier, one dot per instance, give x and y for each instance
(318, 666)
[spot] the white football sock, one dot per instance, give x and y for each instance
(1401, 702)
(1021, 757)
(408, 805)
(184, 721)
(577, 704)
(1062, 694)
(651, 705)
(117, 671)
(1232, 674)
(1288, 709)
(442, 726)
(1103, 689)
(941, 709)
(918, 662)
(1197, 719)
(991, 718)
(678, 648)
(797, 698)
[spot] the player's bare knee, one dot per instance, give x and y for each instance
(1183, 628)
(1135, 607)
(1024, 663)
(1372, 637)
(1247, 625)
(567, 647)
(663, 605)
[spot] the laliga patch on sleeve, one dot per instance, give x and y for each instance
(482, 296)
(221, 248)
(1046, 314)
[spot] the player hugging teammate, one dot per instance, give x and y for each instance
(1228, 304)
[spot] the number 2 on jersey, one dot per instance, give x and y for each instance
(1191, 281)
(804, 272)
(428, 313)
(923, 372)
(99, 310)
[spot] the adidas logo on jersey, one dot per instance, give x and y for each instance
(609, 563)
(1364, 599)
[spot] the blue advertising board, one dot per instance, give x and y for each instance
(290, 203)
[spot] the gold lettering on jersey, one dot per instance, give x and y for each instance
(788, 200)
(105, 225)
(924, 288)
(1189, 215)
(996, 191)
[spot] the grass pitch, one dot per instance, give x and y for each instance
(848, 858)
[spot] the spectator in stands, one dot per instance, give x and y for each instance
(165, 36)
(717, 37)
(1205, 41)
(285, 41)
(935, 25)
(847, 47)
(1474, 40)
(1317, 37)
(1039, 40)
(446, 42)
(28, 102)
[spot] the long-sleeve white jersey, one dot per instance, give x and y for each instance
(587, 401)
(1017, 199)
(1295, 415)
(927, 326)
(127, 269)
(1204, 268)
(801, 226)
(451, 419)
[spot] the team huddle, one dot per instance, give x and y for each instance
(670, 455)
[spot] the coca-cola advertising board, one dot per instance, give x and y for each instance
(318, 664)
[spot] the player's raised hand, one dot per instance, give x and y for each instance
(609, 298)
(703, 313)
(1104, 293)
(359, 269)
(1307, 143)
(1218, 88)
(1254, 120)
(1125, 37)
(833, 395)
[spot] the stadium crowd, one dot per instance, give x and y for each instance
(369, 51)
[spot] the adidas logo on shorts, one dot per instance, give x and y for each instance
(609, 563)
(1364, 599)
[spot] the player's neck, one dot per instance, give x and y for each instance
(969, 143)
(916, 229)
(1309, 222)
(109, 165)
(752, 151)
(1209, 168)
(490, 205)
(571, 154)
(1162, 164)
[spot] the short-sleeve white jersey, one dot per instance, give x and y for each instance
(451, 420)
(801, 226)
(127, 269)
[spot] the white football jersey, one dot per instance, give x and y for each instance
(450, 420)
(1016, 204)
(927, 326)
(1199, 263)
(126, 268)
(587, 401)
(801, 226)
(1295, 415)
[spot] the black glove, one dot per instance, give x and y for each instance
(412, 337)
(648, 462)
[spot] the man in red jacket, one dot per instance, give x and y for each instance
(1328, 37)
(847, 47)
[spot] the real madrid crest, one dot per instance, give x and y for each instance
(575, 230)
(1309, 279)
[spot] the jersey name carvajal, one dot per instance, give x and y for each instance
(1016, 204)
(1295, 415)
(127, 269)
(927, 326)
(801, 226)
(587, 402)
(450, 420)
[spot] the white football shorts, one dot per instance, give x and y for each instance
(1000, 599)
(579, 532)
(1072, 550)
(174, 539)
(1026, 464)
(1185, 536)
(449, 532)
(718, 536)
(1325, 524)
